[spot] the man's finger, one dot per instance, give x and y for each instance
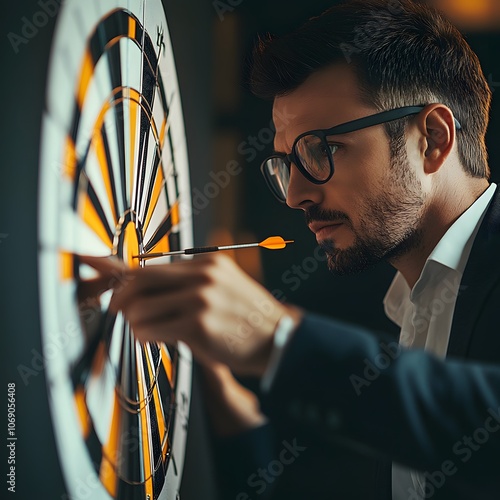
(153, 280)
(106, 266)
(94, 288)
(146, 309)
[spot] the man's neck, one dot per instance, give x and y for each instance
(438, 218)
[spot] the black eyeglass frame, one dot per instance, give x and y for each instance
(343, 128)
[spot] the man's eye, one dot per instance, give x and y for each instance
(333, 148)
(322, 150)
(325, 150)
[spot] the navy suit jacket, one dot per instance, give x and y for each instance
(341, 385)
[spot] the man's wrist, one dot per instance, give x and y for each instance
(282, 335)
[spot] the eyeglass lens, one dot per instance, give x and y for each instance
(314, 155)
(277, 175)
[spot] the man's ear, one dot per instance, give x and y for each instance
(437, 128)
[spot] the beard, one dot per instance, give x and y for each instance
(390, 223)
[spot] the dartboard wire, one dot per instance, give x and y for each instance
(159, 454)
(150, 391)
(165, 170)
(98, 129)
(142, 403)
(104, 157)
(143, 161)
(99, 143)
(169, 222)
(107, 43)
(82, 370)
(101, 454)
(166, 426)
(162, 451)
(85, 365)
(95, 202)
(129, 376)
(146, 115)
(141, 170)
(164, 230)
(167, 132)
(155, 432)
(141, 167)
(97, 46)
(155, 164)
(114, 56)
(116, 457)
(156, 395)
(142, 74)
(156, 184)
(157, 355)
(153, 66)
(145, 430)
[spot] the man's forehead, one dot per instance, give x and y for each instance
(328, 97)
(335, 87)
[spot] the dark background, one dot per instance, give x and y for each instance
(211, 41)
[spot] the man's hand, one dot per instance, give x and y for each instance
(210, 304)
(110, 269)
(233, 409)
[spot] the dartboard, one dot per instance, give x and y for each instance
(113, 182)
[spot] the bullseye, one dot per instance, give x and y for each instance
(130, 245)
(128, 240)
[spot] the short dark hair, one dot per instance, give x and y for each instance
(404, 53)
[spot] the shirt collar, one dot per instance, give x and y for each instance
(452, 251)
(454, 247)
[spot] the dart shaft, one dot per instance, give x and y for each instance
(273, 243)
(196, 250)
(235, 247)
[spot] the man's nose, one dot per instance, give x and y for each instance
(301, 192)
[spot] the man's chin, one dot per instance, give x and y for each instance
(348, 261)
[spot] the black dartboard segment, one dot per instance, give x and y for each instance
(114, 180)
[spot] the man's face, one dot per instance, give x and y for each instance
(371, 209)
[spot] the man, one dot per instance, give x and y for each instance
(380, 110)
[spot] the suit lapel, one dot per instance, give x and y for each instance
(481, 273)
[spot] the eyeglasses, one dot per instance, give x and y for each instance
(312, 152)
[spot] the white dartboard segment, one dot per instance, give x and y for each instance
(114, 180)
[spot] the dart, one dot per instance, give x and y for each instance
(271, 243)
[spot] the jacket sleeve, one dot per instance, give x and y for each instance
(343, 385)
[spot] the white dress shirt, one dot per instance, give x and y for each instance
(425, 312)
